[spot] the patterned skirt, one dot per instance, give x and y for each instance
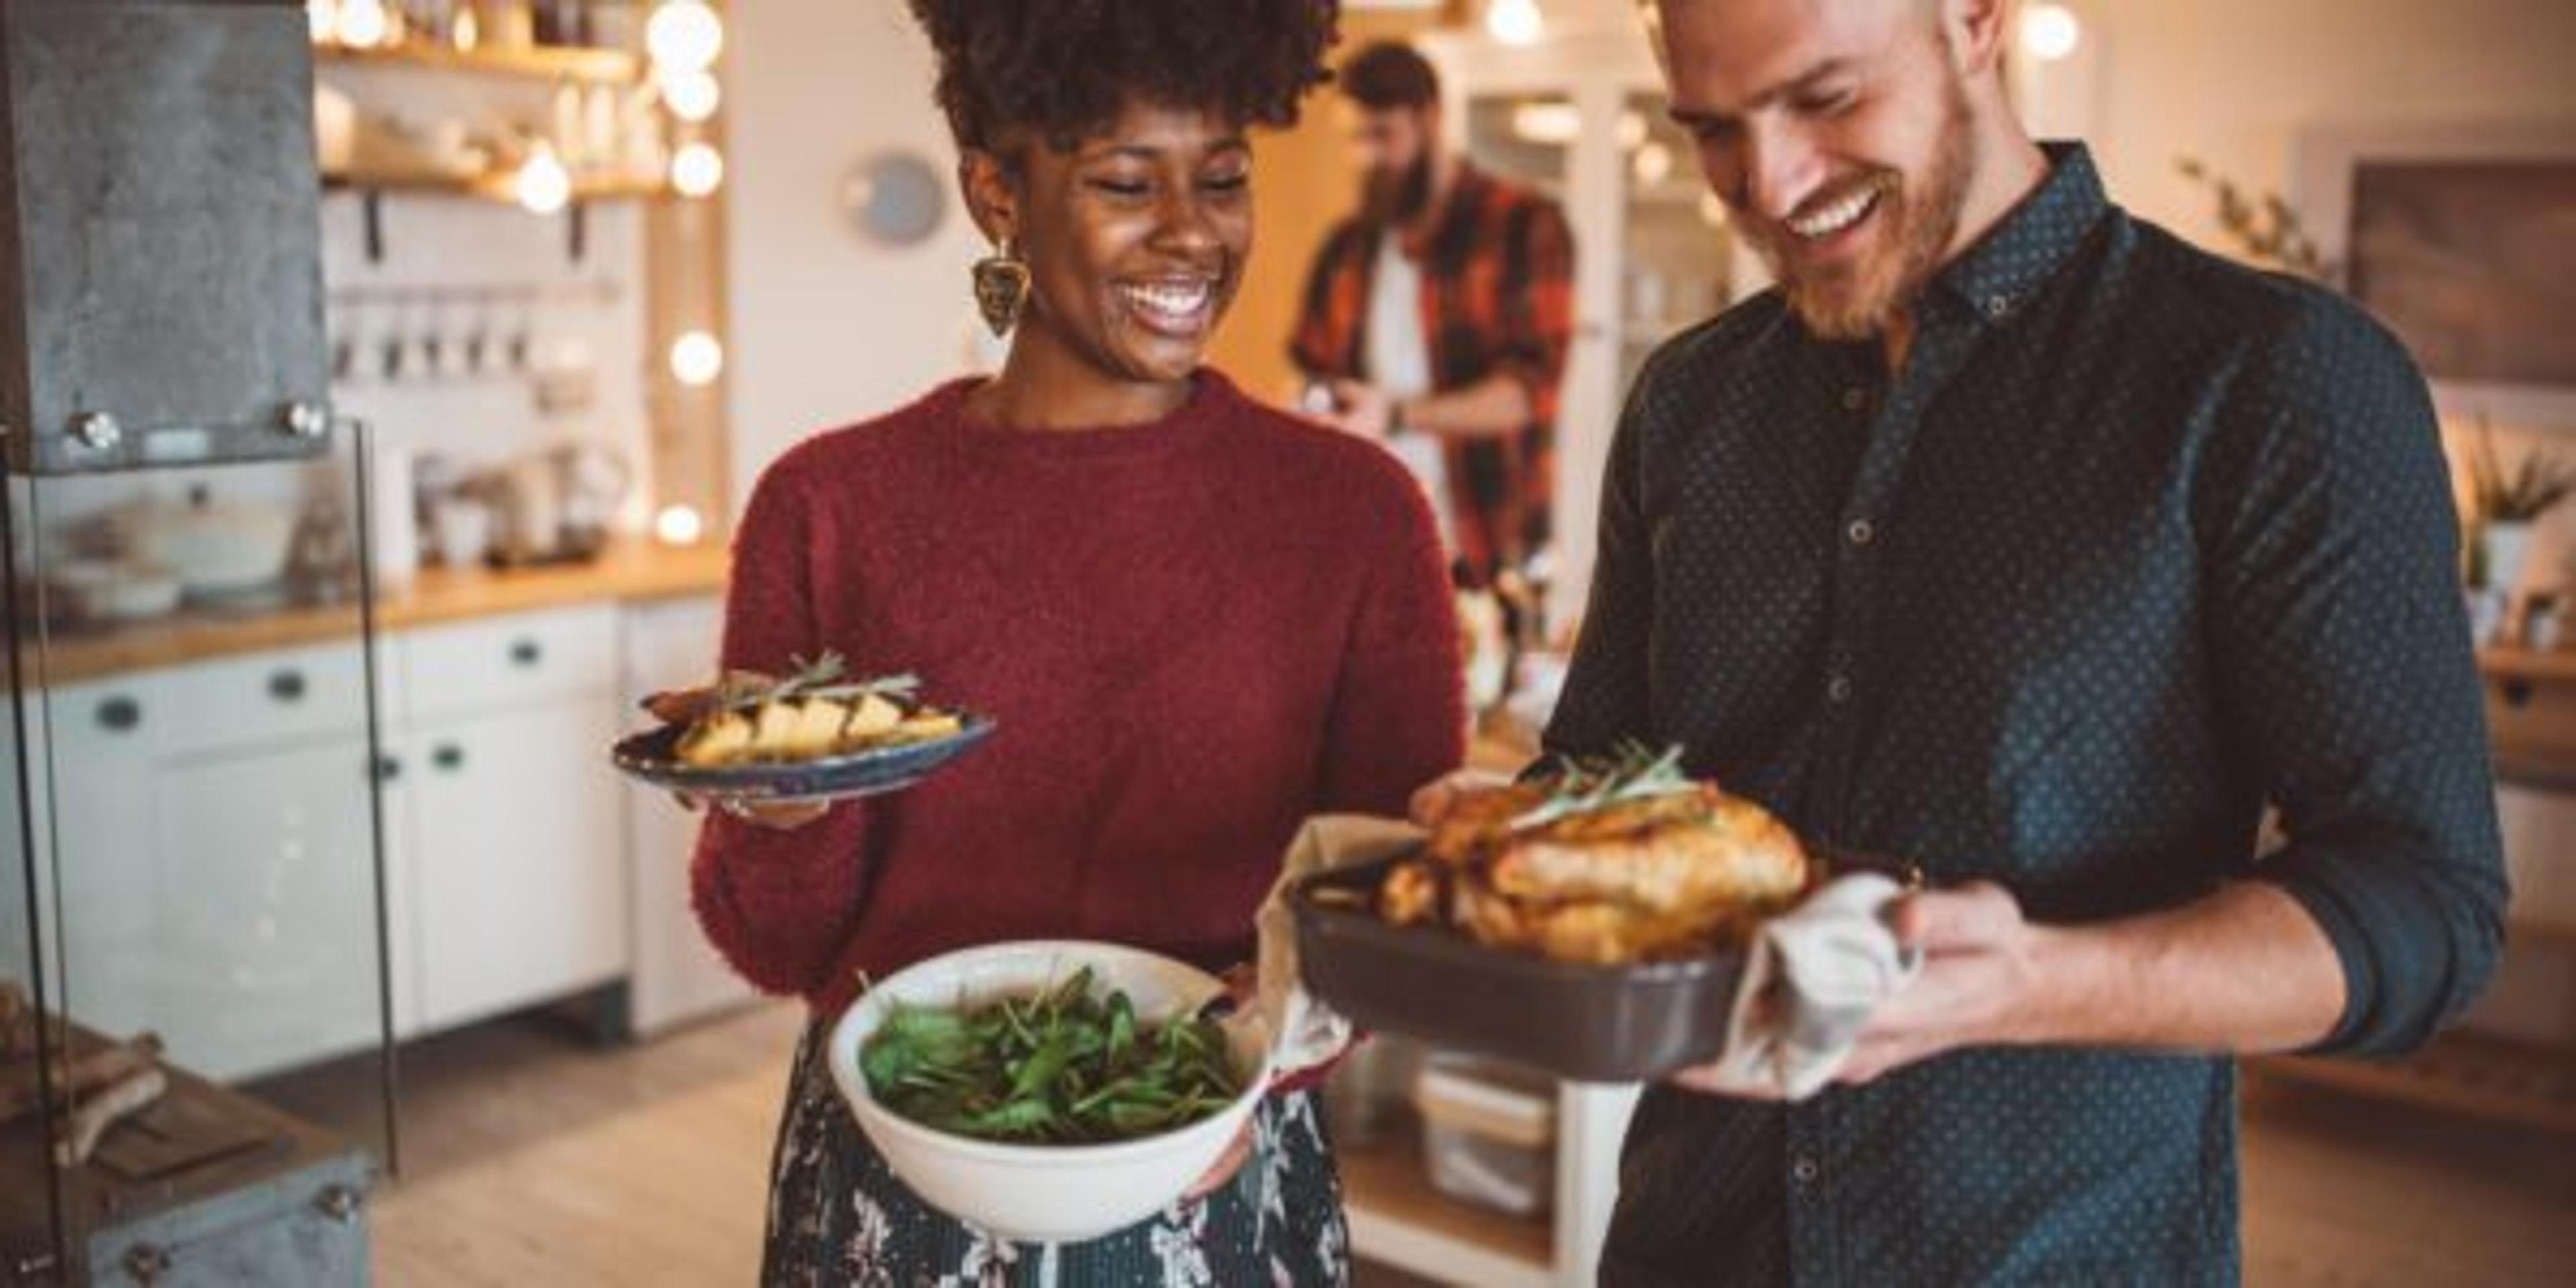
(837, 1216)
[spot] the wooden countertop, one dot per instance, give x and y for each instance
(634, 570)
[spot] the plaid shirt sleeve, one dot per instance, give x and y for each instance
(1537, 323)
(1327, 340)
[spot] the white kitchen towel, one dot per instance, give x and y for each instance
(1304, 1032)
(1812, 978)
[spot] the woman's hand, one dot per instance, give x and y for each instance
(781, 816)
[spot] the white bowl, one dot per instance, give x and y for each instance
(1045, 1193)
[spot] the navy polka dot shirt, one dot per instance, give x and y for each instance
(2138, 542)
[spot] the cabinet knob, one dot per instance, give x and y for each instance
(147, 1262)
(338, 1202)
(286, 686)
(120, 713)
(527, 652)
(448, 756)
(385, 769)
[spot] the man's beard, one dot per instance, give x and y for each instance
(1855, 300)
(1391, 198)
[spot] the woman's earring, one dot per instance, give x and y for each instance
(1001, 287)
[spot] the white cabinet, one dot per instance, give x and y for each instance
(677, 975)
(517, 872)
(215, 888)
(504, 848)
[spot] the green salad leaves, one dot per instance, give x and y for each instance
(1063, 1067)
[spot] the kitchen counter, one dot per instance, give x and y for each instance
(628, 570)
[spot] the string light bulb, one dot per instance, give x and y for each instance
(542, 185)
(684, 36)
(679, 525)
(691, 96)
(697, 169)
(1515, 22)
(2050, 32)
(697, 358)
(362, 24)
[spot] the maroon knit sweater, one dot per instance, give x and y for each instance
(1193, 633)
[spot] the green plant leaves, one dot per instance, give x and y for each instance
(1064, 1066)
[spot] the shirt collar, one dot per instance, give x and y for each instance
(2019, 254)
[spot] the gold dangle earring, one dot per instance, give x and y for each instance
(1002, 287)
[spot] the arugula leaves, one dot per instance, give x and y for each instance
(1063, 1067)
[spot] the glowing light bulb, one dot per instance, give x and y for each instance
(697, 169)
(320, 17)
(1632, 130)
(2049, 32)
(696, 358)
(1547, 122)
(691, 96)
(542, 185)
(684, 36)
(1515, 22)
(361, 24)
(679, 525)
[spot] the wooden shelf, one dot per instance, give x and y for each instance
(2502, 663)
(490, 187)
(1399, 1219)
(542, 62)
(2474, 1075)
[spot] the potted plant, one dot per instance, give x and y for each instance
(2510, 501)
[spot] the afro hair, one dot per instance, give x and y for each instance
(1063, 70)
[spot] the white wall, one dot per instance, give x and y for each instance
(828, 327)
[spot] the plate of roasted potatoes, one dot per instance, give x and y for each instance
(818, 734)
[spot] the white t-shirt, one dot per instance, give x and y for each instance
(1399, 362)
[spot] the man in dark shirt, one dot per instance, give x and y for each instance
(2016, 538)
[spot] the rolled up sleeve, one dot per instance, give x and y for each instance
(2347, 671)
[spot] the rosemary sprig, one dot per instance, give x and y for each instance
(819, 678)
(1583, 785)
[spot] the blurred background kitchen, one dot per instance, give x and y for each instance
(310, 715)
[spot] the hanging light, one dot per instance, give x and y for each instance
(542, 185)
(361, 24)
(679, 525)
(1515, 22)
(697, 169)
(691, 96)
(321, 18)
(696, 358)
(2049, 32)
(684, 36)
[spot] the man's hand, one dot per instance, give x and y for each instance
(1362, 409)
(1980, 981)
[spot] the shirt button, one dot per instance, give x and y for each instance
(1855, 398)
(1860, 532)
(1997, 306)
(1803, 1171)
(1838, 689)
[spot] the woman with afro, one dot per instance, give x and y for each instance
(1197, 620)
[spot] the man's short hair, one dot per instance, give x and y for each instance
(1389, 74)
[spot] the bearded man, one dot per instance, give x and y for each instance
(1437, 317)
(2014, 537)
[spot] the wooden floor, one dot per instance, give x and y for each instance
(536, 1157)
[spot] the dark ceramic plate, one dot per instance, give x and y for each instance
(1589, 1023)
(649, 756)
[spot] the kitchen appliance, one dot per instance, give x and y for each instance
(556, 505)
(161, 307)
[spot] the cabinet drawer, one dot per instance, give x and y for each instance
(264, 698)
(510, 661)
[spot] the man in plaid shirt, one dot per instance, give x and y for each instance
(1438, 317)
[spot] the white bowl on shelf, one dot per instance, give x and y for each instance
(1045, 1193)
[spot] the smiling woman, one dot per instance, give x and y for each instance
(1195, 620)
